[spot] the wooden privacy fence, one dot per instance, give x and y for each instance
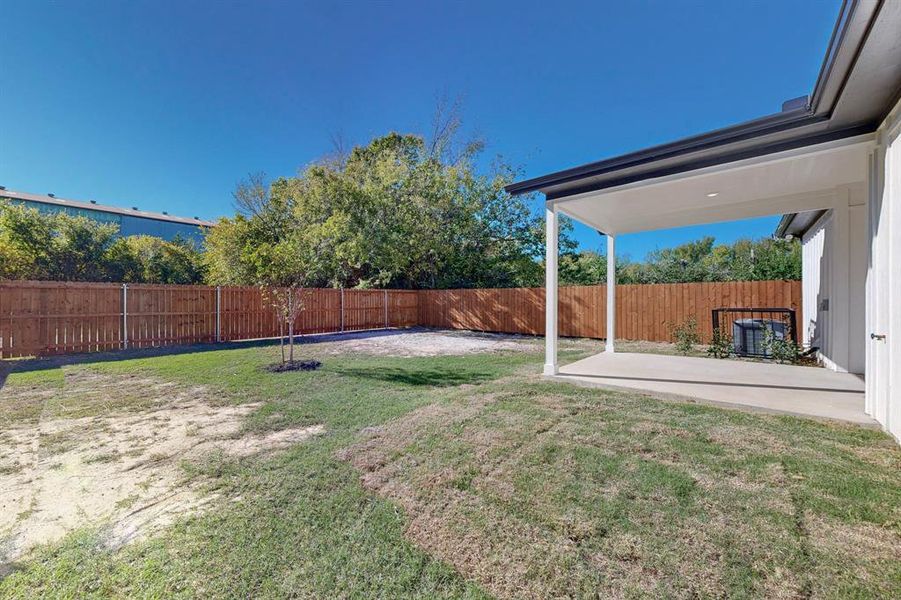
(643, 312)
(39, 318)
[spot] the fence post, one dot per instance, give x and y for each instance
(218, 314)
(342, 310)
(386, 309)
(125, 316)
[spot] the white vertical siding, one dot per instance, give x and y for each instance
(816, 268)
(834, 266)
(883, 282)
(857, 326)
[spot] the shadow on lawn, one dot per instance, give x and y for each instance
(41, 363)
(434, 377)
(55, 362)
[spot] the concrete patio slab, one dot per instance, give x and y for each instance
(806, 391)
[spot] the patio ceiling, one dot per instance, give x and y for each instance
(796, 180)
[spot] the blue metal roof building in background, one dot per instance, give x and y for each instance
(130, 221)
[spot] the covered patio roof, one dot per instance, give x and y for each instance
(830, 175)
(791, 181)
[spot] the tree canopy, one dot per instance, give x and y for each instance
(398, 212)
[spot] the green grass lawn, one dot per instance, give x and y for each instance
(473, 477)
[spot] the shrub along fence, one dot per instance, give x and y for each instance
(41, 318)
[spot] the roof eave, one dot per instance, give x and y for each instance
(712, 159)
(718, 137)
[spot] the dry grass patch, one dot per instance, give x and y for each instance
(537, 490)
(742, 439)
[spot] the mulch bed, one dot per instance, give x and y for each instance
(293, 365)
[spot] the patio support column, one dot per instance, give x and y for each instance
(611, 292)
(550, 291)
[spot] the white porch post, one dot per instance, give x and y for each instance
(550, 290)
(611, 292)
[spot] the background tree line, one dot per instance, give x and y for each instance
(403, 211)
(60, 247)
(700, 260)
(254, 249)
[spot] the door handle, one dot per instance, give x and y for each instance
(876, 336)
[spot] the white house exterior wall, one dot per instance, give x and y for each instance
(883, 280)
(815, 260)
(833, 272)
(857, 313)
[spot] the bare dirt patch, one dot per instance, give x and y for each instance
(108, 450)
(420, 342)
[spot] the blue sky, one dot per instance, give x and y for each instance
(165, 105)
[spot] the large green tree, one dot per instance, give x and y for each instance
(400, 211)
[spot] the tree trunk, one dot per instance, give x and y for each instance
(291, 340)
(291, 310)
